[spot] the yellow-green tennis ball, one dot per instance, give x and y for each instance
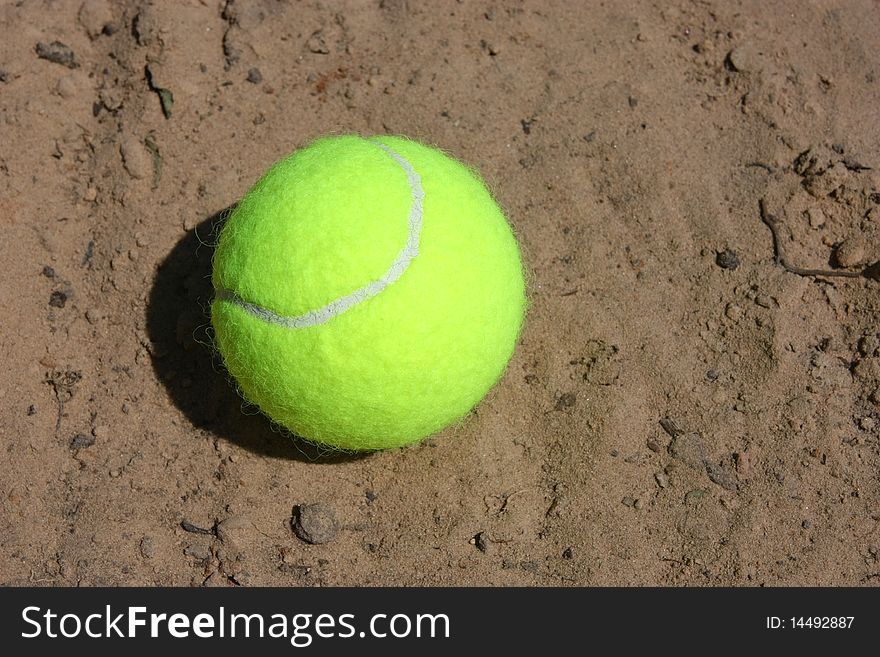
(368, 292)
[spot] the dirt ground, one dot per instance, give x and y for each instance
(681, 408)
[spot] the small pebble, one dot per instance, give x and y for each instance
(806, 524)
(254, 76)
(135, 158)
(198, 552)
(567, 553)
(638, 504)
(662, 479)
(816, 218)
(81, 441)
(732, 311)
(148, 547)
(57, 299)
(745, 58)
(850, 253)
(95, 16)
(233, 529)
(57, 53)
(316, 44)
(727, 259)
(628, 501)
(867, 423)
(566, 400)
(315, 523)
(66, 86)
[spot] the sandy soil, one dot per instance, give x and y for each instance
(681, 408)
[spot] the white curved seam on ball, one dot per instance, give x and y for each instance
(338, 306)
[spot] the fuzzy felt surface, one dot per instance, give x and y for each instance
(396, 367)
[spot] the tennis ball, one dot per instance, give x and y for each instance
(368, 292)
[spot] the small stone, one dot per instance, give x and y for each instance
(816, 218)
(111, 98)
(57, 299)
(867, 423)
(315, 523)
(566, 400)
(662, 479)
(233, 529)
(654, 444)
(727, 259)
(743, 463)
(638, 504)
(148, 547)
(672, 426)
(628, 501)
(57, 53)
(48, 271)
(482, 542)
(94, 16)
(733, 312)
(81, 441)
(90, 195)
(822, 183)
(806, 524)
(693, 497)
(66, 86)
(850, 253)
(198, 552)
(567, 553)
(93, 315)
(491, 48)
(745, 58)
(115, 473)
(254, 76)
(135, 158)
(764, 301)
(316, 43)
(722, 476)
(874, 397)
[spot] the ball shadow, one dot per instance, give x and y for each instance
(179, 329)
